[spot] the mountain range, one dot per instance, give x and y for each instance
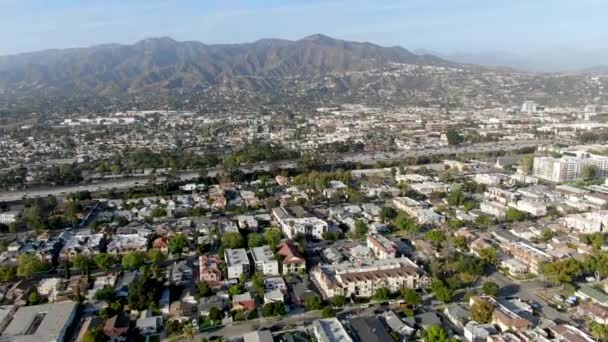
(316, 69)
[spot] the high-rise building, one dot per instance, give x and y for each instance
(529, 107)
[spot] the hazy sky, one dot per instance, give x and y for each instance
(443, 25)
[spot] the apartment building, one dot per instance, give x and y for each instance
(349, 279)
(292, 262)
(237, 262)
(495, 209)
(528, 255)
(530, 207)
(567, 168)
(329, 330)
(209, 270)
(382, 247)
(264, 260)
(587, 223)
(296, 220)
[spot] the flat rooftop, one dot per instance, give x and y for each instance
(46, 322)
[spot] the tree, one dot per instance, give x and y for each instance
(435, 236)
(599, 331)
(189, 330)
(133, 260)
(255, 240)
(526, 164)
(442, 292)
(481, 311)
(233, 240)
(327, 312)
(215, 314)
(338, 301)
(456, 197)
(405, 223)
(204, 290)
(589, 172)
(460, 242)
(236, 289)
(273, 236)
(34, 298)
(381, 294)
(411, 296)
(514, 215)
(489, 255)
(484, 220)
(388, 213)
(313, 303)
(94, 335)
(106, 293)
(490, 288)
(435, 333)
(360, 229)
(178, 244)
(29, 264)
(105, 261)
(156, 256)
(8, 273)
(562, 271)
(82, 262)
(453, 137)
(258, 283)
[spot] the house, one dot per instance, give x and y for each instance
(161, 243)
(593, 294)
(428, 319)
(237, 262)
(292, 261)
(122, 244)
(243, 302)
(594, 311)
(258, 336)
(476, 332)
(183, 311)
(274, 296)
(275, 283)
(122, 285)
(330, 329)
(180, 272)
(458, 314)
(264, 260)
(369, 329)
(147, 324)
(217, 301)
(209, 271)
(396, 324)
(116, 328)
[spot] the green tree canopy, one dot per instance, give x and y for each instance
(481, 311)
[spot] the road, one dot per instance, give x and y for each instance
(367, 157)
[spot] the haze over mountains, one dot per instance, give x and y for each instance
(316, 69)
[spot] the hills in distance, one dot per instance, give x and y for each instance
(163, 71)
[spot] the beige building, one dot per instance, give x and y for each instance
(364, 280)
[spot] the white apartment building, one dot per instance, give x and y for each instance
(264, 260)
(587, 223)
(532, 208)
(349, 279)
(495, 209)
(292, 226)
(237, 262)
(567, 169)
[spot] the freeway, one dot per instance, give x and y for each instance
(364, 157)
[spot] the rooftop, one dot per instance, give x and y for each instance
(46, 322)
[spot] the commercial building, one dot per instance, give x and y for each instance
(349, 279)
(237, 262)
(46, 322)
(264, 260)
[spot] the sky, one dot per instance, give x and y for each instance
(516, 26)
